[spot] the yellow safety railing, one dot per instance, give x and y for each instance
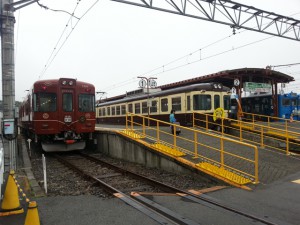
(272, 132)
(220, 156)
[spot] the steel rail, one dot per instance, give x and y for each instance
(203, 197)
(179, 192)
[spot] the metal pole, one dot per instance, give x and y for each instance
(8, 76)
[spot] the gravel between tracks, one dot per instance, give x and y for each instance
(62, 181)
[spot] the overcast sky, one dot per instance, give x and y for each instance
(113, 43)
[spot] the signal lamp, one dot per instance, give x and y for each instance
(64, 82)
(70, 82)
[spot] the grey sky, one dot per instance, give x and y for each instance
(113, 44)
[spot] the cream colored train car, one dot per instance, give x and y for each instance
(202, 98)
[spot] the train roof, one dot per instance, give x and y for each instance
(193, 87)
(59, 79)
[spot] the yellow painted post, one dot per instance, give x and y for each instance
(287, 138)
(193, 120)
(269, 121)
(157, 131)
(222, 152)
(256, 164)
(195, 144)
(262, 136)
(222, 122)
(144, 128)
(174, 134)
(241, 137)
(131, 122)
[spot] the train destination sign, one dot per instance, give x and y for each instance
(257, 87)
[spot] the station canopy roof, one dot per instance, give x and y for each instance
(227, 77)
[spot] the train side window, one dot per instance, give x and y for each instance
(188, 103)
(130, 109)
(103, 111)
(226, 102)
(118, 110)
(123, 109)
(44, 102)
(286, 102)
(144, 107)
(67, 102)
(201, 102)
(137, 108)
(108, 111)
(176, 104)
(153, 108)
(113, 110)
(217, 101)
(164, 105)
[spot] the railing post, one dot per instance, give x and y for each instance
(193, 118)
(131, 122)
(195, 144)
(157, 131)
(144, 129)
(287, 138)
(126, 122)
(262, 136)
(222, 152)
(256, 164)
(222, 127)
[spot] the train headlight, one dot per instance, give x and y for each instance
(215, 86)
(219, 86)
(70, 82)
(64, 82)
(68, 119)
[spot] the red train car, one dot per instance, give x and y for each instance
(59, 113)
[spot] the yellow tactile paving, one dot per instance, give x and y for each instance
(163, 148)
(224, 173)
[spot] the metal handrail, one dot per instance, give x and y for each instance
(280, 131)
(195, 147)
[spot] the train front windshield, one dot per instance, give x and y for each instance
(86, 103)
(44, 102)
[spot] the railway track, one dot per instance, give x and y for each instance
(127, 186)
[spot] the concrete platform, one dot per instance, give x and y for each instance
(275, 199)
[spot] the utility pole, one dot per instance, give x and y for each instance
(7, 8)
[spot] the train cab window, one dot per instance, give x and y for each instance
(201, 102)
(118, 110)
(176, 104)
(137, 108)
(217, 101)
(130, 109)
(188, 103)
(44, 102)
(144, 107)
(108, 111)
(123, 109)
(226, 102)
(86, 103)
(67, 102)
(153, 107)
(164, 105)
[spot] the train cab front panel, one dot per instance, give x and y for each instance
(45, 107)
(85, 112)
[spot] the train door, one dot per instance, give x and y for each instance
(68, 112)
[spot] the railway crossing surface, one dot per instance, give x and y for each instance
(275, 199)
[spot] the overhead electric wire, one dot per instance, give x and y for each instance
(51, 59)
